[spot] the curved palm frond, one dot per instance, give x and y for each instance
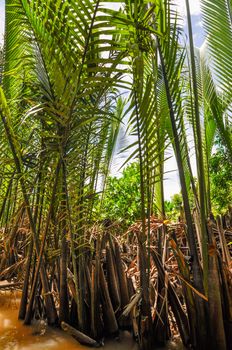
(217, 22)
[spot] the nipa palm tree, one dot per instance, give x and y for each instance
(64, 66)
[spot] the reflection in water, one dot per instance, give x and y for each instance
(15, 336)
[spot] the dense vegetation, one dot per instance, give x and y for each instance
(122, 195)
(65, 67)
(220, 179)
(122, 199)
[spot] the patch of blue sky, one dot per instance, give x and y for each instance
(2, 20)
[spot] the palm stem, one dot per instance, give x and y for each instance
(199, 156)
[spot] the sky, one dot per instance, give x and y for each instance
(2, 8)
(195, 11)
(171, 185)
(198, 34)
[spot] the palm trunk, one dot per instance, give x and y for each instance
(96, 324)
(52, 314)
(23, 303)
(64, 302)
(199, 156)
(217, 338)
(197, 271)
(24, 297)
(145, 324)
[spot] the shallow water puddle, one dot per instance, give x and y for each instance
(15, 336)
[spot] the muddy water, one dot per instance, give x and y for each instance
(15, 336)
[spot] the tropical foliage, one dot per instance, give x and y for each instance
(220, 179)
(65, 65)
(122, 197)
